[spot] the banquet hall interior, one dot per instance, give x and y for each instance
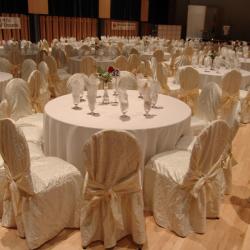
(124, 124)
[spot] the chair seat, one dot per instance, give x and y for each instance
(34, 119)
(63, 74)
(47, 172)
(243, 94)
(35, 150)
(197, 124)
(186, 142)
(171, 164)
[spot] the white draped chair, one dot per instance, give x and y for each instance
(159, 55)
(5, 65)
(189, 79)
(33, 200)
(19, 108)
(28, 66)
(245, 109)
(121, 63)
(181, 188)
(88, 65)
(57, 78)
(112, 197)
(38, 89)
(134, 63)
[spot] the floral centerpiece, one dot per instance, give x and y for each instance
(106, 78)
(212, 55)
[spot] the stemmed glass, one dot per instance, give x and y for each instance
(147, 106)
(76, 100)
(123, 98)
(92, 90)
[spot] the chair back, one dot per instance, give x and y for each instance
(88, 65)
(5, 65)
(159, 55)
(28, 66)
(209, 102)
(15, 153)
(121, 63)
(18, 99)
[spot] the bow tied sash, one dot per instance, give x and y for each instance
(111, 196)
(196, 182)
(189, 97)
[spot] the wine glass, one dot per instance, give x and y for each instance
(76, 100)
(147, 106)
(123, 97)
(154, 99)
(92, 99)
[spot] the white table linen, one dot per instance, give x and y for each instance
(66, 130)
(245, 63)
(4, 79)
(147, 55)
(207, 76)
(75, 61)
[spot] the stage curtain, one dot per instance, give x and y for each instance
(14, 6)
(59, 26)
(74, 8)
(126, 10)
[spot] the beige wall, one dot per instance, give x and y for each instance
(38, 6)
(104, 8)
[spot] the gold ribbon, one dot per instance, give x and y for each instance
(189, 97)
(227, 100)
(196, 182)
(96, 192)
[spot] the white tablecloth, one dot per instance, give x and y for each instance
(74, 64)
(4, 79)
(148, 55)
(66, 130)
(207, 76)
(245, 63)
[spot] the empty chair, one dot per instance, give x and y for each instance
(5, 65)
(134, 63)
(38, 89)
(121, 63)
(57, 78)
(36, 188)
(88, 65)
(85, 50)
(245, 109)
(189, 81)
(159, 55)
(181, 187)
(112, 198)
(69, 51)
(28, 66)
(134, 51)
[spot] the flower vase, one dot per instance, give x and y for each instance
(105, 98)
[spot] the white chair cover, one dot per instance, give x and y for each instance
(121, 63)
(112, 198)
(181, 188)
(33, 194)
(245, 109)
(88, 65)
(209, 102)
(18, 100)
(39, 93)
(5, 65)
(28, 66)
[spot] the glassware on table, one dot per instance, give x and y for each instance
(82, 86)
(147, 99)
(123, 98)
(76, 99)
(92, 91)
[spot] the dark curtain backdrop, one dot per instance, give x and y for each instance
(14, 6)
(73, 8)
(158, 12)
(126, 9)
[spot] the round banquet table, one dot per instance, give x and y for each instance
(207, 76)
(148, 55)
(66, 130)
(4, 79)
(75, 61)
(245, 63)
